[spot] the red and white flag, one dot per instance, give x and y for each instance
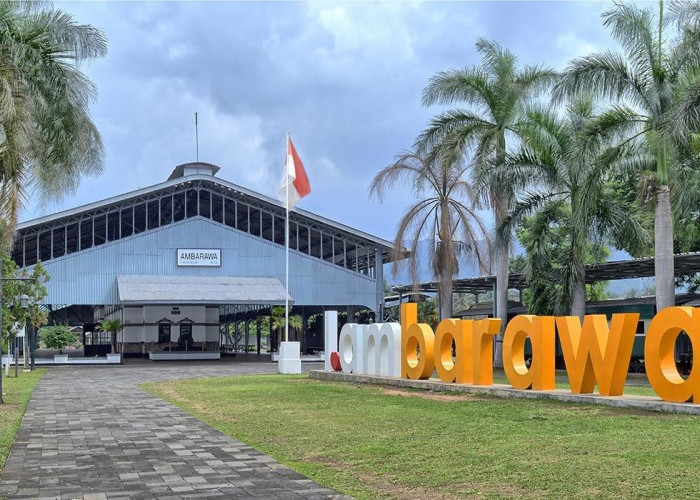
(294, 176)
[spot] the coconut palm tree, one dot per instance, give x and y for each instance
(652, 84)
(444, 214)
(47, 139)
(495, 93)
(112, 326)
(569, 189)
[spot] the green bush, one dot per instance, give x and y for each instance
(57, 337)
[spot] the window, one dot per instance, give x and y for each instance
(303, 239)
(30, 250)
(113, 226)
(192, 203)
(59, 241)
(178, 206)
(127, 227)
(217, 207)
(99, 229)
(279, 238)
(85, 234)
(153, 214)
(315, 243)
(45, 245)
(242, 217)
(163, 333)
(166, 210)
(140, 221)
(205, 203)
(230, 212)
(72, 238)
(267, 226)
(328, 247)
(254, 222)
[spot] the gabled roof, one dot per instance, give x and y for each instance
(140, 289)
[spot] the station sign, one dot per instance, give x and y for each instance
(198, 257)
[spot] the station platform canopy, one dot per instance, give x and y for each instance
(687, 263)
(206, 290)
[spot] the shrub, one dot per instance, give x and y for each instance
(57, 337)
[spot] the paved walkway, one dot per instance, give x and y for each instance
(90, 433)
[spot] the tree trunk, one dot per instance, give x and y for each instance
(501, 298)
(578, 299)
(445, 291)
(663, 250)
(114, 342)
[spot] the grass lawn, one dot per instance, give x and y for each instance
(17, 393)
(371, 442)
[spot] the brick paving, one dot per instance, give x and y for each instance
(90, 433)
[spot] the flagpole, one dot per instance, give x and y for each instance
(286, 250)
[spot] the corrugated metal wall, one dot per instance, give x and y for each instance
(89, 277)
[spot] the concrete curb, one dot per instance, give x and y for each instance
(647, 403)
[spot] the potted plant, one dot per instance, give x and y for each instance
(112, 326)
(57, 337)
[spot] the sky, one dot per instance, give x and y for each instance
(345, 79)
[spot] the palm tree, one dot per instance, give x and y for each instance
(495, 93)
(444, 214)
(278, 324)
(112, 326)
(569, 188)
(652, 83)
(47, 139)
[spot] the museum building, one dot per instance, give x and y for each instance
(193, 262)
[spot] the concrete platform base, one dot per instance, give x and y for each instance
(637, 402)
(289, 362)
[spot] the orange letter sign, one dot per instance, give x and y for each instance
(451, 331)
(417, 344)
(482, 349)
(595, 354)
(659, 357)
(540, 375)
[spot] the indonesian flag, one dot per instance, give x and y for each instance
(294, 176)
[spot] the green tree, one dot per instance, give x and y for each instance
(113, 326)
(13, 314)
(567, 175)
(495, 93)
(655, 84)
(278, 323)
(57, 337)
(444, 215)
(47, 139)
(546, 238)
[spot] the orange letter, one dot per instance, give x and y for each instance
(593, 354)
(659, 356)
(482, 349)
(451, 369)
(417, 344)
(540, 375)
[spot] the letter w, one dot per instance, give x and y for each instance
(595, 354)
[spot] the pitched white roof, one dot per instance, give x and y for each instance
(146, 289)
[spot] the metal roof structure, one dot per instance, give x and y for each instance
(687, 263)
(385, 245)
(211, 290)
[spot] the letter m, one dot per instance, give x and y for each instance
(594, 353)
